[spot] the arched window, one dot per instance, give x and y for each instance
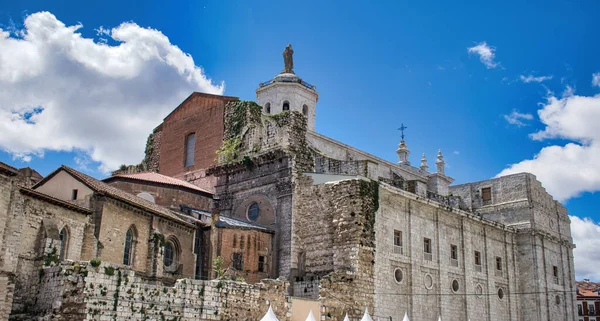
(305, 110)
(171, 254)
(64, 243)
(130, 240)
(268, 108)
(190, 144)
(253, 212)
(286, 105)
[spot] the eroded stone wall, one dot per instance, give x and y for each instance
(80, 291)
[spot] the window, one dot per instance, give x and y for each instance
(477, 258)
(74, 195)
(579, 309)
(486, 194)
(500, 294)
(427, 245)
(555, 273)
(305, 110)
(64, 243)
(397, 238)
(169, 254)
(591, 308)
(453, 252)
(455, 286)
(253, 212)
(498, 263)
(286, 105)
(398, 275)
(190, 145)
(268, 108)
(130, 239)
(238, 261)
(261, 263)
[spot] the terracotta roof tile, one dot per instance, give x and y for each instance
(103, 188)
(160, 179)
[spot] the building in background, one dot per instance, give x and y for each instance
(588, 301)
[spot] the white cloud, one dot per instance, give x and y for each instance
(596, 79)
(63, 92)
(531, 78)
(516, 118)
(486, 54)
(569, 170)
(586, 236)
(456, 152)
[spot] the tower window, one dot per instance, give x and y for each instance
(305, 110)
(190, 144)
(477, 258)
(261, 263)
(268, 108)
(286, 105)
(498, 263)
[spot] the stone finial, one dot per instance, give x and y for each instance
(439, 163)
(403, 153)
(424, 166)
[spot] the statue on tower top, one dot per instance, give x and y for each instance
(288, 60)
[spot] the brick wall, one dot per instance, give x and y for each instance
(201, 114)
(251, 244)
(164, 195)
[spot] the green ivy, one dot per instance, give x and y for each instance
(95, 262)
(229, 149)
(239, 114)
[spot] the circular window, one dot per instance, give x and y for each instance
(398, 275)
(428, 281)
(557, 299)
(169, 254)
(500, 294)
(253, 212)
(455, 286)
(479, 291)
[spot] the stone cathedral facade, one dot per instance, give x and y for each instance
(340, 230)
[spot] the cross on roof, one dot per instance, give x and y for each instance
(401, 129)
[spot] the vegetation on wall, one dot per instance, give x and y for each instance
(240, 113)
(369, 193)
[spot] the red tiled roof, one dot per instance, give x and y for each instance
(159, 179)
(103, 188)
(588, 289)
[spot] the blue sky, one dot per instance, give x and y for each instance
(375, 67)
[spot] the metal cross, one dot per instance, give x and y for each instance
(402, 128)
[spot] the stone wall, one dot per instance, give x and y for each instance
(424, 290)
(80, 291)
(34, 241)
(333, 238)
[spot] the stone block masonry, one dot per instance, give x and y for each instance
(81, 291)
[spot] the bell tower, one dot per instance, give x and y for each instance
(287, 91)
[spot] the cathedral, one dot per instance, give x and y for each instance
(239, 205)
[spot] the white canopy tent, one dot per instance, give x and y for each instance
(310, 317)
(270, 316)
(366, 316)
